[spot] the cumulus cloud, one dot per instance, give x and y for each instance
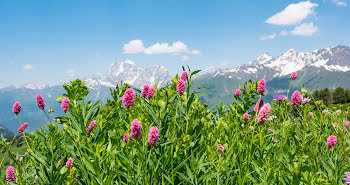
(137, 46)
(340, 3)
(134, 46)
(293, 14)
(71, 72)
(305, 29)
(28, 67)
(272, 36)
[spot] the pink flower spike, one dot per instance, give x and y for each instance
(144, 91)
(10, 174)
(246, 116)
(40, 101)
(221, 149)
(69, 163)
(22, 127)
(296, 98)
(294, 76)
(91, 126)
(181, 86)
(126, 138)
(238, 92)
(346, 123)
(17, 108)
(258, 105)
(153, 136)
(261, 86)
(184, 76)
(151, 92)
(264, 113)
(65, 104)
(332, 141)
(128, 98)
(310, 114)
(135, 129)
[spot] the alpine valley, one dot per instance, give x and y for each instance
(331, 66)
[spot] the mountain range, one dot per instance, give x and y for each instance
(329, 67)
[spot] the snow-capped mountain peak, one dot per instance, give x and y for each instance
(335, 58)
(128, 72)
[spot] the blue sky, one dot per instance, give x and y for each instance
(46, 42)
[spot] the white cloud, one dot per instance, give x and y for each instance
(28, 67)
(305, 29)
(71, 72)
(136, 46)
(272, 36)
(293, 14)
(340, 3)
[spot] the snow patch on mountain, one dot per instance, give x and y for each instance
(335, 58)
(128, 72)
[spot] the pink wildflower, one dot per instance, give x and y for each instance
(69, 163)
(238, 92)
(144, 91)
(135, 129)
(345, 123)
(181, 85)
(22, 127)
(310, 114)
(347, 178)
(151, 92)
(221, 149)
(294, 76)
(10, 174)
(296, 98)
(126, 138)
(332, 141)
(129, 98)
(246, 116)
(258, 105)
(184, 76)
(91, 126)
(153, 136)
(20, 159)
(65, 104)
(264, 113)
(40, 101)
(17, 108)
(261, 86)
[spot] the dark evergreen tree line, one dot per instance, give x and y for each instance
(334, 96)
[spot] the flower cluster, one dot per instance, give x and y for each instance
(238, 92)
(181, 86)
(264, 113)
(261, 86)
(17, 108)
(128, 98)
(22, 127)
(221, 149)
(10, 174)
(69, 163)
(91, 126)
(332, 141)
(65, 104)
(296, 98)
(40, 101)
(135, 129)
(153, 136)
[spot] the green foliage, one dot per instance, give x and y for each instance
(290, 149)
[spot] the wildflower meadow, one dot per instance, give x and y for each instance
(166, 135)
